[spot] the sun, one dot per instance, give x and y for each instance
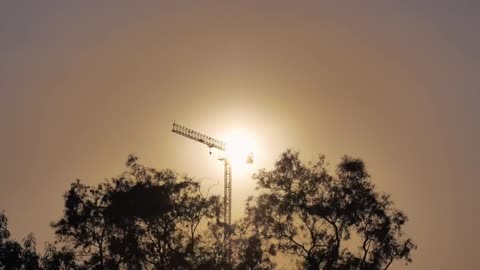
(240, 148)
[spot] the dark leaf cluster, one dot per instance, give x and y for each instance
(155, 219)
(328, 221)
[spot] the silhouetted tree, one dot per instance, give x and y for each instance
(150, 219)
(59, 259)
(83, 225)
(251, 254)
(143, 219)
(14, 255)
(303, 210)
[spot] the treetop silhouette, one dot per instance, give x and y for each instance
(329, 221)
(155, 219)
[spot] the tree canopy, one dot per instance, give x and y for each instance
(329, 221)
(143, 219)
(15, 255)
(155, 219)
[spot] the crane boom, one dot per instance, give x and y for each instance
(227, 199)
(199, 137)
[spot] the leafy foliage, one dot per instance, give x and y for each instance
(14, 255)
(305, 211)
(150, 219)
(143, 219)
(55, 259)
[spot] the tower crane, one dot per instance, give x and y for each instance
(227, 199)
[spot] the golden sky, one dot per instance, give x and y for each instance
(85, 83)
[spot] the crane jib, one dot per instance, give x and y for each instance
(227, 199)
(199, 137)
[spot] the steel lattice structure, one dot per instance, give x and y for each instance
(227, 199)
(199, 137)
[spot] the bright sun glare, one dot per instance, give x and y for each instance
(240, 146)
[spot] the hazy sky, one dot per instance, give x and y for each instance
(85, 83)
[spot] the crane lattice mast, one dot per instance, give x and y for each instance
(227, 199)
